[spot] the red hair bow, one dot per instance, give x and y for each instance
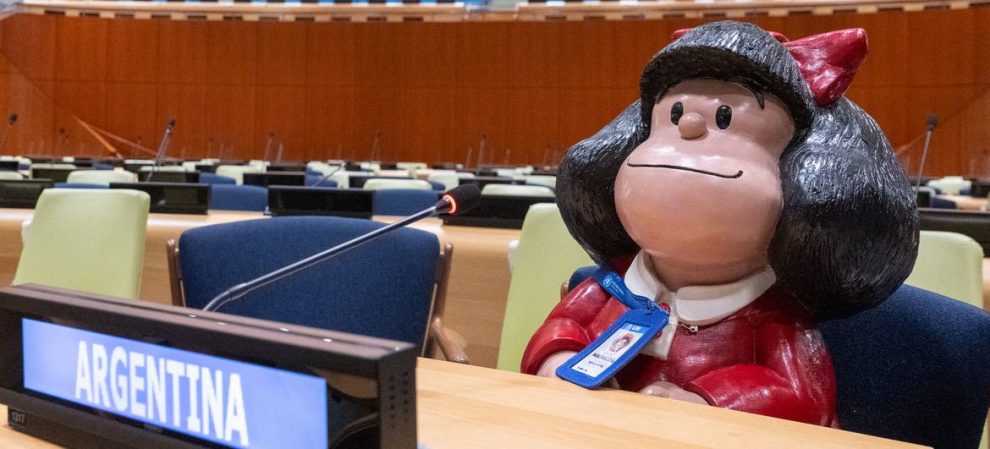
(828, 61)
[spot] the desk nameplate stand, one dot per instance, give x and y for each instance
(191, 177)
(172, 197)
(290, 200)
(275, 179)
(86, 371)
(497, 211)
(23, 194)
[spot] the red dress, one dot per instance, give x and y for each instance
(767, 358)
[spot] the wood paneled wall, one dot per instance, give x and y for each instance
(433, 89)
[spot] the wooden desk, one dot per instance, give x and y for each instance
(471, 407)
(478, 288)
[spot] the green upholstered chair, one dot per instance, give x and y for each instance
(950, 185)
(949, 264)
(545, 258)
(89, 240)
(104, 177)
(517, 190)
(542, 180)
(411, 165)
(406, 184)
(952, 265)
(448, 178)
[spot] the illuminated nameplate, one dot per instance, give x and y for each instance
(210, 398)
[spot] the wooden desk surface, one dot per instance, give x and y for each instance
(476, 297)
(471, 407)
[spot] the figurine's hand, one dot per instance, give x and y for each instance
(669, 390)
(549, 366)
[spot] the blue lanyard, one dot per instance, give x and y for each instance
(615, 286)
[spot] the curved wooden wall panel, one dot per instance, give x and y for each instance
(433, 89)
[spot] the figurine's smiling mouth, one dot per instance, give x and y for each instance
(695, 170)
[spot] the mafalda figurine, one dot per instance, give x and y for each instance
(739, 201)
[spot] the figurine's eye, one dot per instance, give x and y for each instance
(723, 116)
(676, 111)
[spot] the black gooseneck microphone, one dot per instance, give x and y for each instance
(929, 128)
(268, 146)
(278, 155)
(481, 152)
(162, 147)
(10, 124)
(455, 201)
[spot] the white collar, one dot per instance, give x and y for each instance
(703, 304)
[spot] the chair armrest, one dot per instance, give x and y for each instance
(451, 343)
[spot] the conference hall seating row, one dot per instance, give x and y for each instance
(866, 347)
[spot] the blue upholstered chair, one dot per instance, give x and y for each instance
(384, 288)
(914, 368)
(79, 185)
(211, 178)
(942, 203)
(235, 197)
(403, 201)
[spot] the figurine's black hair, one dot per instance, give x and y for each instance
(848, 232)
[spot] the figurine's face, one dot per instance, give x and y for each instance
(703, 190)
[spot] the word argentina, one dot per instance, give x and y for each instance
(217, 399)
(198, 399)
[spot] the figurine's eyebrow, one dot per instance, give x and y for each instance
(758, 95)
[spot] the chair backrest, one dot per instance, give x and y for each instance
(54, 165)
(517, 190)
(66, 185)
(950, 185)
(914, 368)
(237, 171)
(88, 240)
(410, 165)
(235, 197)
(408, 184)
(383, 288)
(210, 178)
(545, 257)
(449, 180)
(949, 264)
(542, 180)
(104, 177)
(10, 175)
(403, 201)
(942, 203)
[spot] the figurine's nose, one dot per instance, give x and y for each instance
(691, 125)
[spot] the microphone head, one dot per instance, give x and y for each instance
(12, 119)
(460, 199)
(932, 121)
(171, 123)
